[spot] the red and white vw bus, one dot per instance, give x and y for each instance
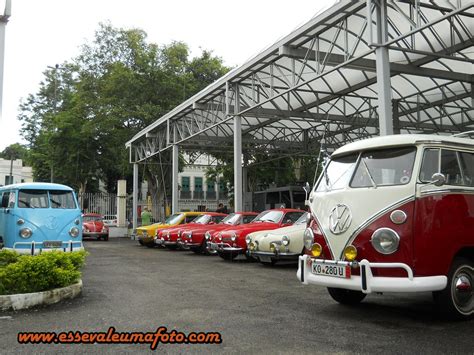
(395, 214)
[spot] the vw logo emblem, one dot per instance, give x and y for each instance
(51, 223)
(340, 219)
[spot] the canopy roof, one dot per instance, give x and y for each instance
(317, 86)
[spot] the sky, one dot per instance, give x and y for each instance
(42, 33)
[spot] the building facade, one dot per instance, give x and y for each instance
(13, 172)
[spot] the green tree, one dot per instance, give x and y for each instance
(16, 151)
(86, 109)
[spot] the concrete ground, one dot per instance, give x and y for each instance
(257, 309)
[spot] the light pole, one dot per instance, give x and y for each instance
(55, 98)
(3, 23)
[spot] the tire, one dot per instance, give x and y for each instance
(456, 301)
(348, 297)
(141, 242)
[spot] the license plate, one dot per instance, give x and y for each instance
(265, 259)
(52, 244)
(342, 271)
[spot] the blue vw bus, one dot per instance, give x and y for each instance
(36, 217)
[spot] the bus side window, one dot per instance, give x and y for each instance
(430, 164)
(5, 197)
(467, 166)
(450, 167)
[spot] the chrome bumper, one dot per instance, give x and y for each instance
(223, 247)
(34, 248)
(366, 282)
(275, 256)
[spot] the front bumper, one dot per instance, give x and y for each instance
(94, 234)
(366, 282)
(224, 247)
(34, 248)
(275, 256)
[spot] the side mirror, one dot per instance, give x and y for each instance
(438, 179)
(307, 189)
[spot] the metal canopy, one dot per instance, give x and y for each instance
(318, 85)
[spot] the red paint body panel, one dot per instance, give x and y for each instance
(444, 224)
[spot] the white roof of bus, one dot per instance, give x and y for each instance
(400, 140)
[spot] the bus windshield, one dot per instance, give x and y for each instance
(45, 199)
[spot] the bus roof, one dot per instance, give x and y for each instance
(36, 186)
(401, 140)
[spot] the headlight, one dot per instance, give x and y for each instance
(74, 232)
(308, 238)
(145, 233)
(285, 240)
(234, 237)
(308, 219)
(248, 239)
(273, 248)
(26, 233)
(385, 241)
(179, 233)
(207, 235)
(190, 235)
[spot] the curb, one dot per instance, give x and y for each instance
(27, 300)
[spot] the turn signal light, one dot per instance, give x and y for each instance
(316, 250)
(350, 252)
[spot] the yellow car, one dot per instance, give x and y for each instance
(145, 234)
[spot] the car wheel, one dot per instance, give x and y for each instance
(344, 296)
(456, 301)
(141, 242)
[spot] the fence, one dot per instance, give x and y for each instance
(106, 204)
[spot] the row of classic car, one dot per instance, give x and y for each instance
(387, 214)
(233, 235)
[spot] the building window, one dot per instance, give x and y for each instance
(198, 192)
(185, 191)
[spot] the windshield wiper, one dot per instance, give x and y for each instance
(368, 173)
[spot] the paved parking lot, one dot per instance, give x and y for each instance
(255, 308)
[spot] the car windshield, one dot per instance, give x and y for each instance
(337, 173)
(302, 219)
(62, 199)
(232, 219)
(174, 218)
(204, 219)
(385, 167)
(92, 218)
(33, 199)
(269, 216)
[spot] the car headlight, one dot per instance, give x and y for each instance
(316, 250)
(308, 238)
(145, 233)
(285, 240)
(207, 235)
(308, 219)
(179, 233)
(190, 235)
(385, 241)
(74, 232)
(26, 233)
(273, 248)
(234, 237)
(248, 239)
(350, 253)
(253, 246)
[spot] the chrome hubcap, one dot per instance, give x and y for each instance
(462, 290)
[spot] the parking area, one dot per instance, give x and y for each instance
(255, 308)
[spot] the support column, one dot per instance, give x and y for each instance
(396, 118)
(383, 71)
(121, 203)
(3, 24)
(174, 179)
(237, 153)
(135, 196)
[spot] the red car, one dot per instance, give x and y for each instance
(196, 237)
(93, 226)
(171, 237)
(231, 243)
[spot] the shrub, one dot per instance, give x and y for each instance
(26, 273)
